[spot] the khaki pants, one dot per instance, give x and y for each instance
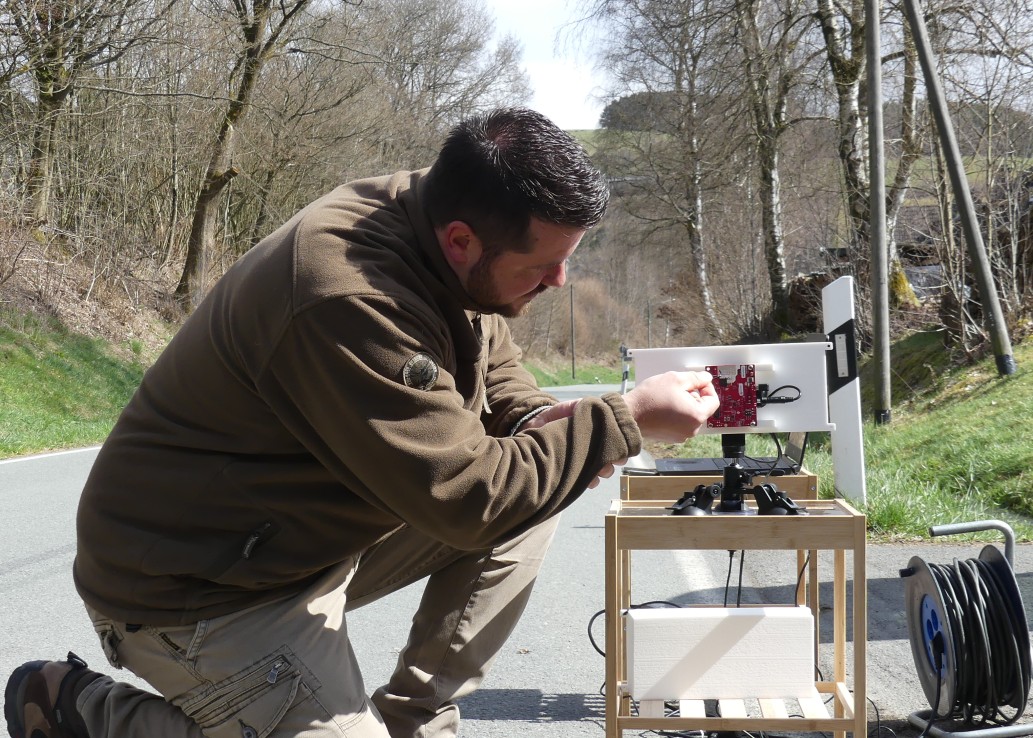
(287, 669)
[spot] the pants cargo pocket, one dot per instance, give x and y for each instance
(251, 703)
(109, 637)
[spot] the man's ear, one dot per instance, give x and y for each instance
(460, 245)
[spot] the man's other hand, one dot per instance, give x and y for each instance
(606, 472)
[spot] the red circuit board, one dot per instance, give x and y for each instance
(736, 386)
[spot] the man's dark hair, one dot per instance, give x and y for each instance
(497, 171)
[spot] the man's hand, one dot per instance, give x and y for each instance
(673, 406)
(668, 407)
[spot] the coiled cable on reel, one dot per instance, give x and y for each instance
(969, 638)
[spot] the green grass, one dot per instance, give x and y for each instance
(557, 374)
(59, 389)
(961, 449)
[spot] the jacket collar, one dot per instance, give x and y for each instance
(427, 241)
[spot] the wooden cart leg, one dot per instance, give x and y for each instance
(839, 626)
(813, 588)
(613, 586)
(860, 625)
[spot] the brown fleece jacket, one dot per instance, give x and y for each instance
(277, 435)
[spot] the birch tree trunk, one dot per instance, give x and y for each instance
(768, 81)
(901, 292)
(845, 53)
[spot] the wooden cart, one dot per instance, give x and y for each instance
(640, 521)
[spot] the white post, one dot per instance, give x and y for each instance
(844, 387)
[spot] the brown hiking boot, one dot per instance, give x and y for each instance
(39, 701)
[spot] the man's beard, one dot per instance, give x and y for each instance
(481, 288)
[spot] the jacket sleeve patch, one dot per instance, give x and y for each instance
(420, 372)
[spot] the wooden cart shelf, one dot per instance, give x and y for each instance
(640, 520)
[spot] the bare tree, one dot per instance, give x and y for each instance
(436, 67)
(842, 25)
(303, 123)
(310, 128)
(56, 42)
(773, 39)
(843, 29)
(418, 64)
(909, 152)
(262, 30)
(661, 59)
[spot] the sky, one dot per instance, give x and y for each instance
(562, 77)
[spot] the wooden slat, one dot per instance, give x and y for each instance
(732, 708)
(845, 699)
(661, 531)
(615, 696)
(772, 708)
(668, 488)
(839, 613)
(651, 708)
(859, 621)
(813, 708)
(692, 708)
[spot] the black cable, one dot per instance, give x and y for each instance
(799, 577)
(738, 594)
(769, 397)
(992, 669)
(728, 577)
(591, 638)
(879, 727)
(938, 654)
(596, 616)
(778, 456)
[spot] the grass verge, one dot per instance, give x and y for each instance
(59, 389)
(556, 374)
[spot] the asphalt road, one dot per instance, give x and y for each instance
(547, 679)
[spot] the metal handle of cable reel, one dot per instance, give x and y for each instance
(950, 529)
(969, 638)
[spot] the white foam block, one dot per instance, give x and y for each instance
(714, 653)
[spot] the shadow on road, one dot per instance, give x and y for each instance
(531, 705)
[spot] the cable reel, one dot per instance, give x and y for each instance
(969, 636)
(932, 642)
